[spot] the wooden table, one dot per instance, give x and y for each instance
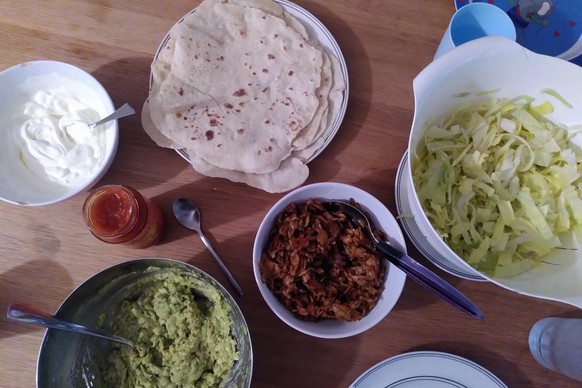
(46, 252)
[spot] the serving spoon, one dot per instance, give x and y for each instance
(411, 267)
(123, 111)
(26, 314)
(188, 214)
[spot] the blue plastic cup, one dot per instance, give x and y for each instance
(473, 21)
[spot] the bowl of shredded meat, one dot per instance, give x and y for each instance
(318, 271)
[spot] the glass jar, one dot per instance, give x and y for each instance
(119, 214)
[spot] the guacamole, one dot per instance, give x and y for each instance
(182, 331)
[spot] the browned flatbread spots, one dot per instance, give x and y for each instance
(244, 90)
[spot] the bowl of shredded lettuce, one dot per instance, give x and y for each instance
(495, 172)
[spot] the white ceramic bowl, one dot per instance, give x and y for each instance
(394, 280)
(500, 65)
(18, 184)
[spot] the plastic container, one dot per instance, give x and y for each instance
(556, 343)
(473, 21)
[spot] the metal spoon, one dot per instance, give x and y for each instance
(26, 314)
(122, 111)
(411, 267)
(188, 214)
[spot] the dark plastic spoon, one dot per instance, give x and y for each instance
(411, 267)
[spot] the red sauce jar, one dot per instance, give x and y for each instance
(118, 214)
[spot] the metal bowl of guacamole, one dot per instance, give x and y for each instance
(187, 329)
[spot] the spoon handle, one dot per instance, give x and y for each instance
(26, 314)
(122, 111)
(222, 266)
(429, 280)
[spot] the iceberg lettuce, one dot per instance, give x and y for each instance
(500, 182)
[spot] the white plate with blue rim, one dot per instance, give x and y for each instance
(406, 219)
(318, 33)
(427, 369)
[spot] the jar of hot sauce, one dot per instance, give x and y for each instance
(118, 214)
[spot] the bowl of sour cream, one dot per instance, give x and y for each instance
(49, 153)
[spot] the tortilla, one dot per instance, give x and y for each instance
(305, 137)
(334, 100)
(248, 120)
(152, 131)
(240, 86)
(291, 173)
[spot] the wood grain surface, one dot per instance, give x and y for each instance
(45, 252)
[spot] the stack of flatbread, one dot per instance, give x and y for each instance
(241, 87)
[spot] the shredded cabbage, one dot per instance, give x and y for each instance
(500, 183)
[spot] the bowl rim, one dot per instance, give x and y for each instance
(394, 276)
(92, 83)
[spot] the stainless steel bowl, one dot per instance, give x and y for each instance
(70, 360)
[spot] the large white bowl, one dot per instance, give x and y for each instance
(500, 65)
(394, 280)
(20, 186)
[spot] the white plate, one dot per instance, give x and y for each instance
(420, 242)
(317, 32)
(427, 369)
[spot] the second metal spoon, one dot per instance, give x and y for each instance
(26, 314)
(188, 214)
